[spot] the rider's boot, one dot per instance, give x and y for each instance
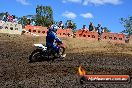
(63, 56)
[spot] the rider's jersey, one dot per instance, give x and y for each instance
(50, 38)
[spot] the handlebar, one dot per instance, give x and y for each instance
(59, 42)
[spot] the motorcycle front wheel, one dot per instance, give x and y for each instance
(61, 50)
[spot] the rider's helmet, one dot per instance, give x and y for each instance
(54, 28)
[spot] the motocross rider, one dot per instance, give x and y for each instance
(51, 37)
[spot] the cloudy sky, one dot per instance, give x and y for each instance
(106, 12)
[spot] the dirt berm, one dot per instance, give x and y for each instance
(96, 57)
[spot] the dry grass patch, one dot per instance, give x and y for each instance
(74, 45)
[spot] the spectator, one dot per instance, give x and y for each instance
(4, 18)
(15, 20)
(70, 24)
(99, 30)
(91, 27)
(10, 18)
(84, 27)
(61, 25)
(28, 21)
(33, 23)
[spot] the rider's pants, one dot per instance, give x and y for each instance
(54, 46)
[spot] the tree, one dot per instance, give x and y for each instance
(23, 20)
(127, 23)
(106, 29)
(44, 15)
(31, 17)
(70, 24)
(2, 14)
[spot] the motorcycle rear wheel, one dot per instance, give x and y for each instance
(36, 55)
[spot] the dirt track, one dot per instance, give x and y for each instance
(15, 71)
